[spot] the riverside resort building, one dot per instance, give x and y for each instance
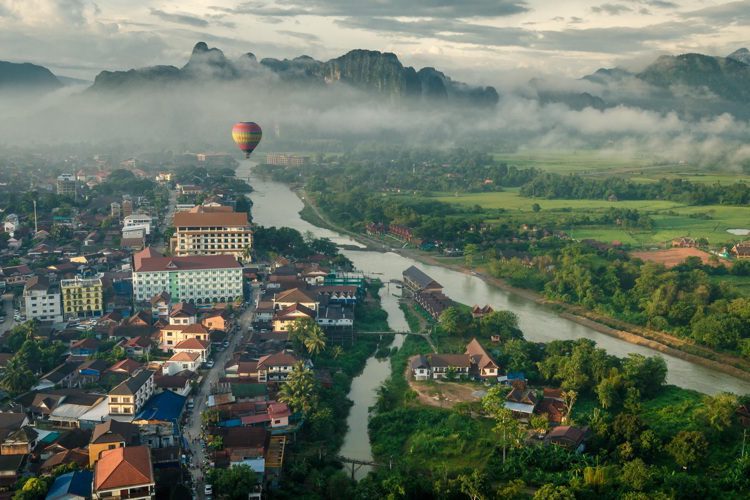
(196, 279)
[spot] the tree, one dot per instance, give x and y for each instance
(455, 321)
(536, 207)
(470, 250)
(647, 374)
(473, 485)
(215, 442)
(209, 417)
(506, 425)
(337, 351)
(636, 475)
(717, 412)
(18, 378)
(33, 488)
(306, 334)
(234, 483)
(300, 390)
(552, 492)
(688, 448)
(502, 323)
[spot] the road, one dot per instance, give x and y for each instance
(7, 304)
(192, 430)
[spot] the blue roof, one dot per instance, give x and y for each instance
(71, 485)
(166, 406)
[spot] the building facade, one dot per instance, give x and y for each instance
(82, 296)
(66, 185)
(199, 279)
(129, 397)
(212, 231)
(140, 221)
(42, 301)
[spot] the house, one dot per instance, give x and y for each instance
(264, 311)
(444, 364)
(335, 316)
(84, 347)
(482, 364)
(478, 312)
(433, 301)
(74, 439)
(684, 242)
(161, 305)
(241, 443)
(69, 410)
(742, 250)
(64, 375)
(420, 367)
(284, 318)
(217, 320)
(179, 383)
(521, 401)
(552, 405)
(288, 298)
(124, 473)
(129, 397)
(158, 421)
(112, 434)
(279, 413)
(21, 442)
(181, 361)
(194, 346)
(127, 367)
(138, 346)
(78, 456)
(276, 367)
(568, 436)
(417, 280)
(72, 486)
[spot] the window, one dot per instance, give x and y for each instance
(114, 399)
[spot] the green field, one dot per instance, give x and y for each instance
(672, 219)
(596, 163)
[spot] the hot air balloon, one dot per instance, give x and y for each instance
(247, 136)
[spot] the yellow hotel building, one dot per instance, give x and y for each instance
(82, 297)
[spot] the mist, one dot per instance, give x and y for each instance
(192, 116)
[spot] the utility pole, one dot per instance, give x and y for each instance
(36, 225)
(744, 437)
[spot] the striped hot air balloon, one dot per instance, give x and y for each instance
(247, 136)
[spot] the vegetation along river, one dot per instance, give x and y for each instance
(274, 204)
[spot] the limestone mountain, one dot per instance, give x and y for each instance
(379, 73)
(27, 76)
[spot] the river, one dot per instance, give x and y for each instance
(274, 204)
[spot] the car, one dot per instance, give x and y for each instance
(208, 489)
(210, 363)
(226, 344)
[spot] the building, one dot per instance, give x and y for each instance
(212, 231)
(198, 279)
(276, 367)
(742, 250)
(418, 281)
(42, 301)
(72, 486)
(287, 160)
(127, 207)
(82, 296)
(139, 221)
(66, 185)
(11, 224)
(475, 362)
(124, 473)
(129, 397)
(115, 210)
(109, 435)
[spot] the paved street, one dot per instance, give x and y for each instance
(7, 305)
(192, 430)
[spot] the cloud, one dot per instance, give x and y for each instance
(732, 12)
(612, 40)
(305, 37)
(48, 12)
(613, 9)
(447, 9)
(178, 18)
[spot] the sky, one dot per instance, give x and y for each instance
(478, 41)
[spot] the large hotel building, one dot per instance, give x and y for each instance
(198, 279)
(212, 231)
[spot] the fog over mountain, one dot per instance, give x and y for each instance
(689, 106)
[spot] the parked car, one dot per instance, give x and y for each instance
(210, 363)
(208, 489)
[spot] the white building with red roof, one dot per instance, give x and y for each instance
(196, 279)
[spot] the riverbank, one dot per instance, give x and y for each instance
(633, 334)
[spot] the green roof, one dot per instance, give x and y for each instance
(249, 390)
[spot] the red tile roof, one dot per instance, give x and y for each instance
(187, 263)
(123, 468)
(210, 219)
(192, 344)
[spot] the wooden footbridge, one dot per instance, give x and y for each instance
(354, 464)
(424, 335)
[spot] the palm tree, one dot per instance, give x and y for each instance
(315, 342)
(300, 391)
(337, 351)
